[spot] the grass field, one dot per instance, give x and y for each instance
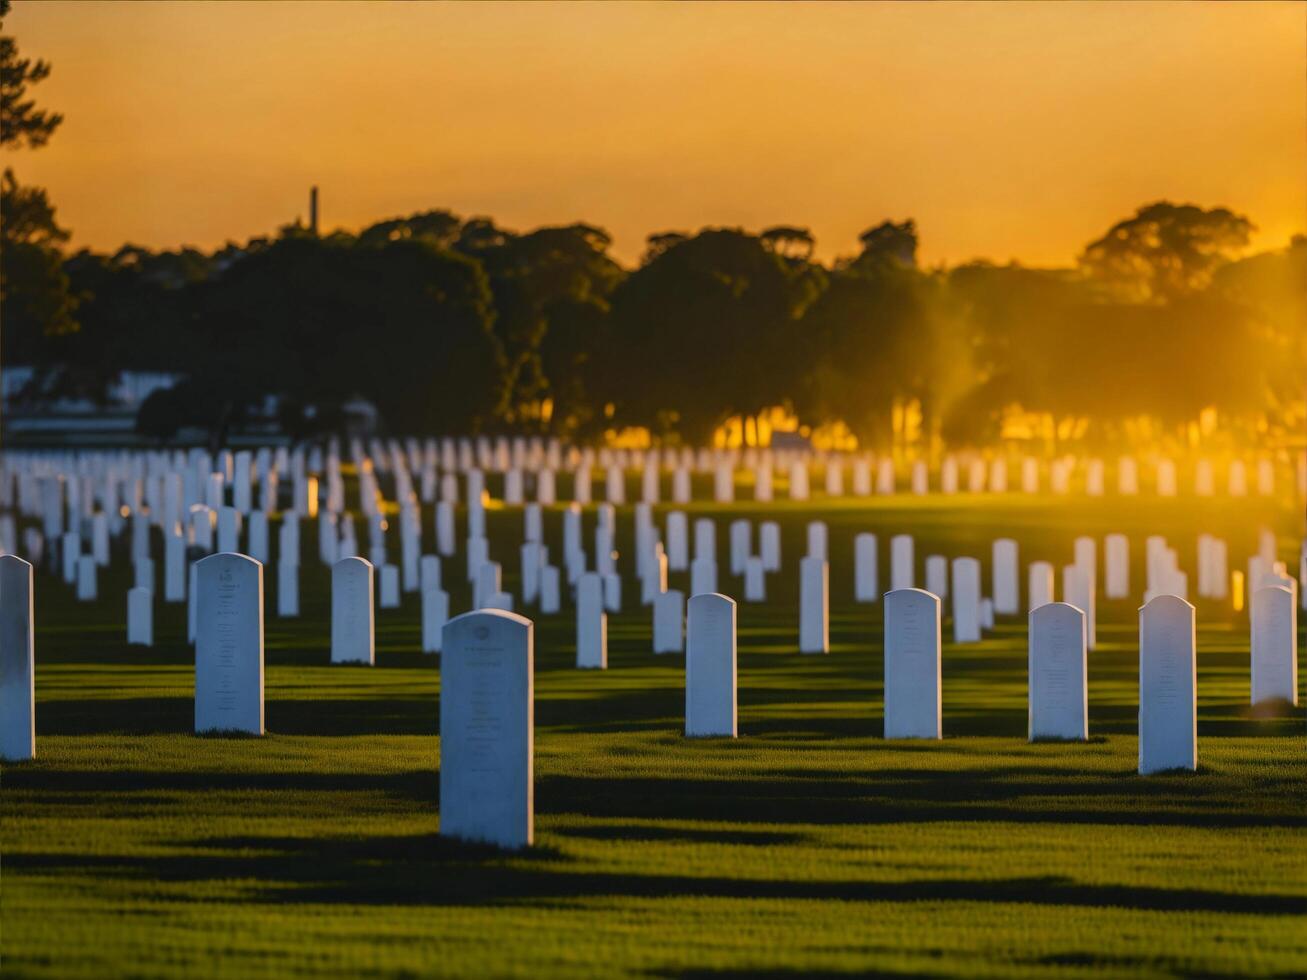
(810, 846)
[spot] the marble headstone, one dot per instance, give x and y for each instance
(229, 644)
(710, 667)
(912, 665)
(487, 729)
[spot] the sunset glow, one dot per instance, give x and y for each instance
(1010, 131)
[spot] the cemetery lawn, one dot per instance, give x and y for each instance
(810, 846)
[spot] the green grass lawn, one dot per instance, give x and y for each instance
(808, 846)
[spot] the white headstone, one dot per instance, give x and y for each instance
(1274, 618)
(435, 613)
(741, 545)
(678, 552)
(705, 539)
(288, 589)
(445, 538)
(1078, 590)
(920, 478)
(17, 661)
(834, 477)
(1116, 561)
(681, 485)
(143, 573)
(1057, 669)
(1094, 478)
(478, 553)
(799, 480)
(669, 622)
(500, 600)
(966, 600)
(550, 589)
(140, 617)
(654, 580)
(912, 665)
(814, 599)
(703, 576)
(487, 722)
(229, 644)
(86, 578)
(862, 477)
(582, 490)
(429, 572)
(1168, 719)
(901, 574)
(229, 529)
(1007, 590)
(532, 559)
(1165, 478)
(755, 580)
(70, 550)
(591, 622)
(613, 592)
(710, 667)
(866, 585)
(258, 537)
(817, 536)
(769, 545)
(1042, 584)
(100, 538)
(948, 475)
(615, 484)
(352, 626)
(937, 575)
(192, 604)
(1127, 476)
(389, 591)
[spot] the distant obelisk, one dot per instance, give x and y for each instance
(313, 210)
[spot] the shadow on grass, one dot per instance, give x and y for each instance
(648, 833)
(425, 869)
(381, 715)
(1016, 794)
(73, 788)
(608, 711)
(705, 973)
(1008, 795)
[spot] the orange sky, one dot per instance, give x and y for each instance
(1009, 130)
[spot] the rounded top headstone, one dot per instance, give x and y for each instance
(1051, 613)
(911, 596)
(1167, 604)
(711, 599)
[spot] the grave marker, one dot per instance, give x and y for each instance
(966, 600)
(710, 667)
(487, 721)
(912, 664)
(669, 622)
(814, 600)
(1274, 654)
(17, 661)
(591, 622)
(1042, 584)
(352, 625)
(1168, 728)
(140, 617)
(866, 587)
(228, 644)
(1057, 669)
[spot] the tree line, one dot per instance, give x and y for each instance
(448, 324)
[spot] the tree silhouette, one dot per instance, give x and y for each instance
(1165, 251)
(34, 289)
(21, 122)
